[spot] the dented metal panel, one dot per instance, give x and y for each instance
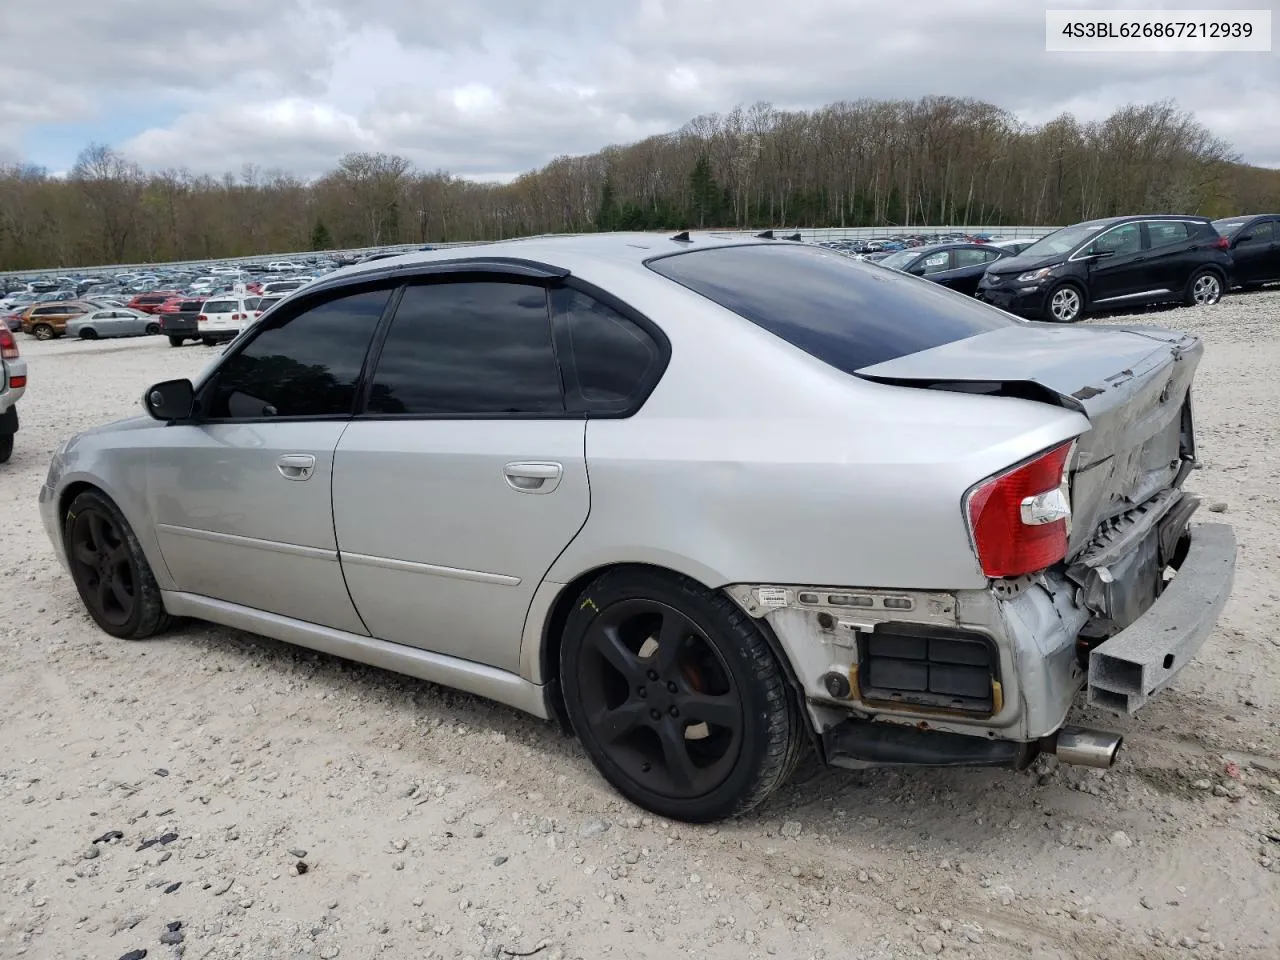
(1141, 660)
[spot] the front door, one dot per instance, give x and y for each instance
(464, 479)
(1121, 272)
(242, 498)
(1257, 258)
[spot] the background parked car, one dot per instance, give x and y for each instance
(113, 322)
(45, 321)
(221, 319)
(13, 384)
(148, 302)
(1112, 263)
(958, 266)
(182, 324)
(1255, 248)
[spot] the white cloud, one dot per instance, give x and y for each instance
(486, 87)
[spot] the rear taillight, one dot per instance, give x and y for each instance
(8, 345)
(1021, 519)
(1222, 243)
(202, 319)
(16, 382)
(237, 316)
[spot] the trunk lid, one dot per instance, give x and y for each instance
(1132, 382)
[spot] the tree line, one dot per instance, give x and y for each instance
(938, 160)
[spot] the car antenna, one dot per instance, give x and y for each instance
(682, 237)
(795, 236)
(766, 235)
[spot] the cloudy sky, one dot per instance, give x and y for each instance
(487, 88)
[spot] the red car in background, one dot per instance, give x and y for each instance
(149, 302)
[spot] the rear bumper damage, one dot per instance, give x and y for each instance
(987, 677)
(1140, 660)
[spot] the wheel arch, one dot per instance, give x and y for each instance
(1080, 287)
(548, 634)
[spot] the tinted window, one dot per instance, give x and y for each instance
(1162, 233)
(1261, 232)
(220, 306)
(612, 360)
(970, 257)
(1126, 238)
(1228, 227)
(300, 365)
(468, 348)
(843, 312)
(934, 263)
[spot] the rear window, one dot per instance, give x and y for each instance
(1228, 227)
(220, 306)
(845, 313)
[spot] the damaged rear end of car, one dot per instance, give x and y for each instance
(1095, 575)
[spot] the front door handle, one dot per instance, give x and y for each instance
(533, 477)
(296, 466)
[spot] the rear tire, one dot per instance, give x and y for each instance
(153, 329)
(110, 570)
(677, 697)
(177, 341)
(1204, 289)
(6, 447)
(89, 334)
(1066, 304)
(42, 331)
(209, 342)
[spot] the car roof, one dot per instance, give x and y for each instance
(570, 252)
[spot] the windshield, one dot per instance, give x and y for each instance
(1061, 242)
(899, 260)
(1228, 227)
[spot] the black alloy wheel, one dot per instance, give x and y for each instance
(102, 567)
(660, 699)
(109, 569)
(677, 696)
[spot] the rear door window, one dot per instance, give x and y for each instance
(1260, 233)
(847, 314)
(1165, 233)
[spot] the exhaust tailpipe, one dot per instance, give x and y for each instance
(1084, 748)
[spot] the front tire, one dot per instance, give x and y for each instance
(42, 331)
(1204, 289)
(152, 329)
(1066, 304)
(89, 334)
(110, 570)
(677, 697)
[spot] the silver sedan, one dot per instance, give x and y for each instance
(113, 322)
(712, 502)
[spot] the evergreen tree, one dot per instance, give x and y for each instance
(320, 239)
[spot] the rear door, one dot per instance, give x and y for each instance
(968, 264)
(1257, 253)
(464, 477)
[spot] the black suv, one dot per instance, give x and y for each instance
(1112, 264)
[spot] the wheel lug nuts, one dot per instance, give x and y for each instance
(653, 674)
(654, 714)
(641, 692)
(675, 712)
(671, 687)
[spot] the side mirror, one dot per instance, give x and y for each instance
(1243, 237)
(170, 400)
(916, 271)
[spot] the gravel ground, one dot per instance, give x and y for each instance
(228, 796)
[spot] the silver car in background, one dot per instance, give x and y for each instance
(709, 501)
(113, 322)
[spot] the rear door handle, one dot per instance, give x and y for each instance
(296, 466)
(533, 476)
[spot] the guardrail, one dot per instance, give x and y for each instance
(809, 234)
